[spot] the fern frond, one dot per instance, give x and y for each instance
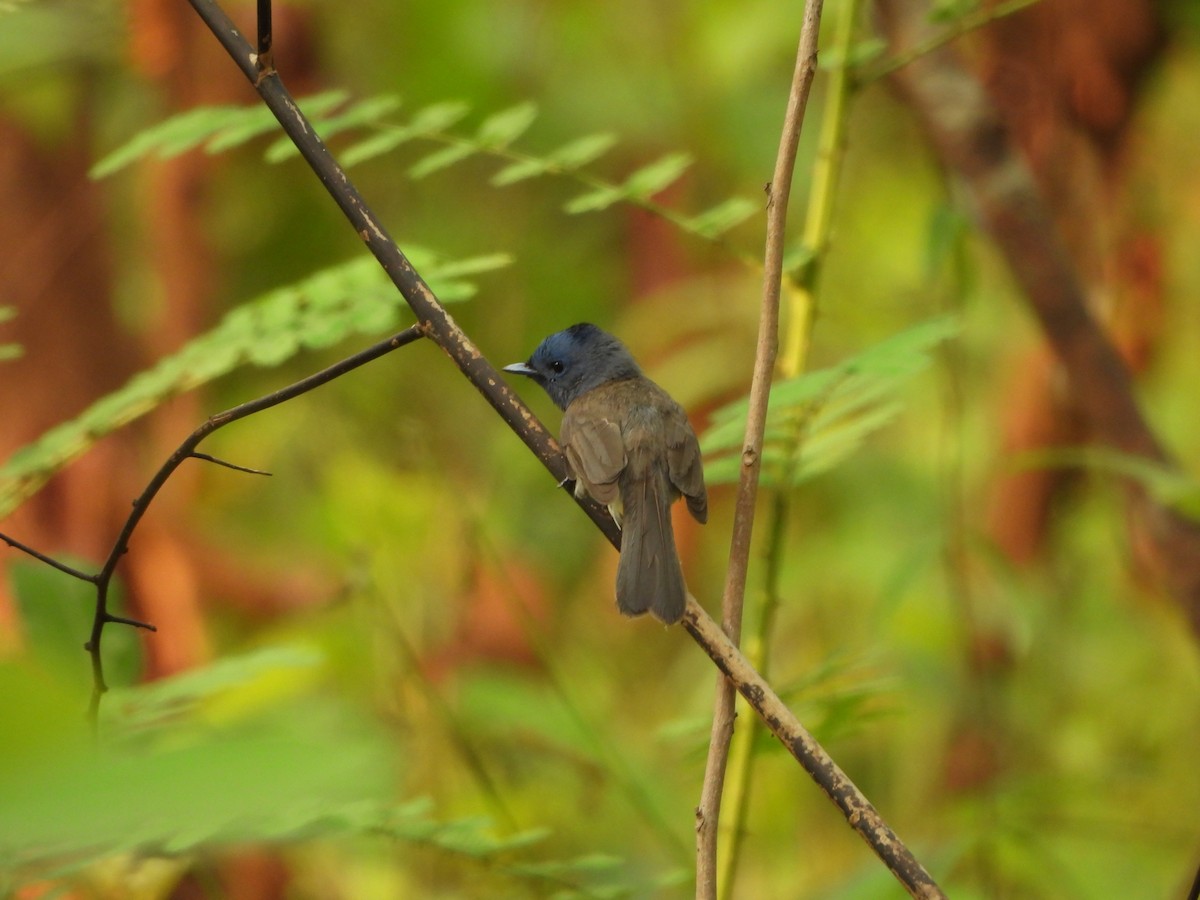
(221, 128)
(819, 418)
(316, 312)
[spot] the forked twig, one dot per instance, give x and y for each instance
(187, 450)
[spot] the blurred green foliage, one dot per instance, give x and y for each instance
(463, 713)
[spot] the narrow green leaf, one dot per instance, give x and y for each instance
(472, 265)
(260, 122)
(446, 278)
(441, 159)
(600, 198)
(720, 218)
(584, 150)
(501, 129)
(520, 170)
(438, 116)
(376, 145)
(651, 179)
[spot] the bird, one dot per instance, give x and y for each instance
(629, 446)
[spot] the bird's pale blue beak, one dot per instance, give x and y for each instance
(520, 369)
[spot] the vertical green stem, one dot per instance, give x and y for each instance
(801, 307)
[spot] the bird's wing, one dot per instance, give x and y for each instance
(595, 453)
(683, 462)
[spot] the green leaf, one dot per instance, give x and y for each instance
(521, 170)
(258, 121)
(230, 688)
(438, 116)
(473, 265)
(376, 145)
(652, 178)
(720, 218)
(441, 159)
(592, 201)
(582, 151)
(502, 128)
(292, 772)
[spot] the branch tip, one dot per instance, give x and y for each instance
(228, 465)
(124, 620)
(48, 560)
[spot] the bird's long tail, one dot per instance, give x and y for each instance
(649, 577)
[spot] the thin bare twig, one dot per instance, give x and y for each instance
(708, 810)
(801, 300)
(228, 465)
(48, 560)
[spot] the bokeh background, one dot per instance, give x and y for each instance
(394, 668)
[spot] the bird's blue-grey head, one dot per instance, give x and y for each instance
(572, 362)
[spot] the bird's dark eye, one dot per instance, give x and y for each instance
(557, 367)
